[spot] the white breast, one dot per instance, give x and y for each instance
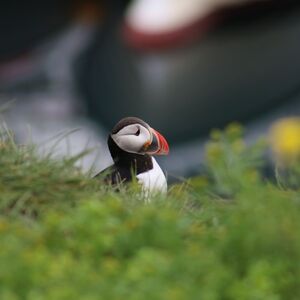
(153, 181)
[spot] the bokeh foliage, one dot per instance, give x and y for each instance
(232, 234)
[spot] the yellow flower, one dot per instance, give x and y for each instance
(234, 130)
(216, 134)
(213, 151)
(285, 139)
(238, 146)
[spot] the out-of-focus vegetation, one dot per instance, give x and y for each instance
(232, 234)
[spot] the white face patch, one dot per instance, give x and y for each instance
(132, 138)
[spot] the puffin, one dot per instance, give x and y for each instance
(132, 144)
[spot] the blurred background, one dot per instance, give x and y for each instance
(69, 70)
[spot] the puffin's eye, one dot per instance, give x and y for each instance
(138, 132)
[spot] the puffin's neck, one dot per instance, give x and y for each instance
(139, 163)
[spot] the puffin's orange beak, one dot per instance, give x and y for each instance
(158, 146)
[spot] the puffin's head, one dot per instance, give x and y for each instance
(133, 135)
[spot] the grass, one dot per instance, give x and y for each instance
(229, 234)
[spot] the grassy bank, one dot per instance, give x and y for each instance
(229, 234)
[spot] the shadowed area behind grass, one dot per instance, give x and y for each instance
(228, 235)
